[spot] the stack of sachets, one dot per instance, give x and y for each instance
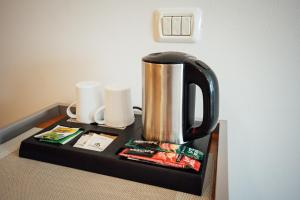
(59, 135)
(166, 154)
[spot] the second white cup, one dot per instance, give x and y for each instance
(118, 110)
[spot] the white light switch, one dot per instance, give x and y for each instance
(167, 25)
(186, 26)
(176, 25)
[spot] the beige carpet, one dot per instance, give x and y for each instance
(28, 179)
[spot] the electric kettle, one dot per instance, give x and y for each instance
(169, 85)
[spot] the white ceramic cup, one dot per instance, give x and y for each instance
(118, 110)
(88, 99)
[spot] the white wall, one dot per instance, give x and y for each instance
(253, 46)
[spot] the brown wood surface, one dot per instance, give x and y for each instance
(50, 122)
(213, 148)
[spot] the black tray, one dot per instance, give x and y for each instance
(109, 163)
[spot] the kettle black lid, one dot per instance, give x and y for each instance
(170, 57)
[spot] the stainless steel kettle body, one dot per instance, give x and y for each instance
(169, 81)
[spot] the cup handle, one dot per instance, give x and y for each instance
(96, 113)
(69, 112)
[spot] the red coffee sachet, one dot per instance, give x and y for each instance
(164, 159)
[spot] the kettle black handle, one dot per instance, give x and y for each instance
(197, 72)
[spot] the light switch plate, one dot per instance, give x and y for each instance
(195, 25)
